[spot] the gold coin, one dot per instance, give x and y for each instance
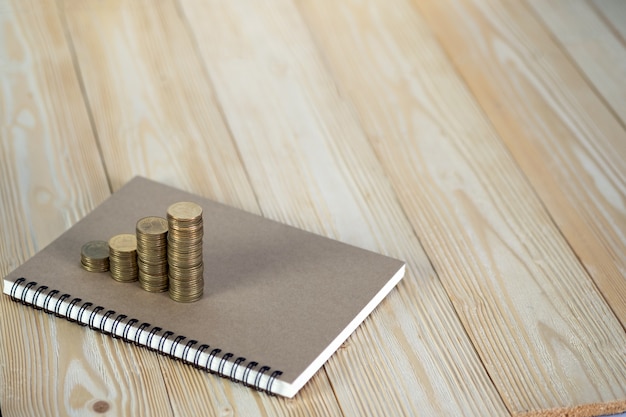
(151, 245)
(123, 279)
(189, 298)
(185, 264)
(184, 211)
(95, 268)
(95, 250)
(149, 288)
(94, 256)
(186, 274)
(123, 257)
(188, 253)
(124, 242)
(184, 252)
(152, 225)
(189, 227)
(94, 265)
(152, 268)
(152, 258)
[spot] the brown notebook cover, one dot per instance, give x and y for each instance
(278, 301)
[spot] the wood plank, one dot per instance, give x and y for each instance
(153, 106)
(597, 50)
(569, 145)
(51, 175)
(141, 72)
(614, 12)
(311, 166)
(549, 341)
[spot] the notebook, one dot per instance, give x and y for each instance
(278, 301)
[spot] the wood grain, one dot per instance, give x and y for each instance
(311, 166)
(613, 12)
(50, 186)
(493, 166)
(598, 50)
(569, 145)
(510, 274)
(153, 105)
(52, 176)
(177, 136)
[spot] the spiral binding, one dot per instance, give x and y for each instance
(214, 355)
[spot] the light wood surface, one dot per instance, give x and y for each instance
(590, 33)
(482, 141)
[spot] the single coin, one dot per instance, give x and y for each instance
(95, 250)
(184, 211)
(152, 225)
(124, 242)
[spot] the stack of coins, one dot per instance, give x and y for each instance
(184, 252)
(94, 256)
(123, 257)
(152, 253)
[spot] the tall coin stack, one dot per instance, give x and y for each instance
(152, 253)
(123, 257)
(184, 252)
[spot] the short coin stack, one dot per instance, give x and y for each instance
(94, 256)
(123, 257)
(184, 252)
(152, 253)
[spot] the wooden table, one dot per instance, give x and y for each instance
(482, 141)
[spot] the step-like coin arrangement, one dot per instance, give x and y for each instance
(152, 253)
(163, 255)
(184, 251)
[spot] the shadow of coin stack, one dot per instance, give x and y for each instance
(152, 253)
(184, 252)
